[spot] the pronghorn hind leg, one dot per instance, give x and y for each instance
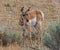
(37, 27)
(40, 33)
(38, 30)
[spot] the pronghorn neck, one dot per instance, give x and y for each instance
(33, 21)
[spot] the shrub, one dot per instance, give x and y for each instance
(51, 37)
(11, 37)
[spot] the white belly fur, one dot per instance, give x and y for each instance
(32, 21)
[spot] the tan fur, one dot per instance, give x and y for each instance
(35, 13)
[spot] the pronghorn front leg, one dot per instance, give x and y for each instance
(23, 37)
(30, 35)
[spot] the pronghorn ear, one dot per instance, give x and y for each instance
(22, 9)
(27, 10)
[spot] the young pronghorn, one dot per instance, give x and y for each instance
(30, 18)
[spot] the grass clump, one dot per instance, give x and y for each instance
(11, 37)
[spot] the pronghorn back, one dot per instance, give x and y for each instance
(36, 13)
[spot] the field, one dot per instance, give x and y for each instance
(10, 14)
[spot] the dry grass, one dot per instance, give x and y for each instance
(11, 47)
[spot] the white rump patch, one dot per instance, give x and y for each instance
(33, 21)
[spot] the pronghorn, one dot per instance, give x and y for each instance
(30, 17)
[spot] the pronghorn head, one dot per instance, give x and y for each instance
(24, 17)
(24, 14)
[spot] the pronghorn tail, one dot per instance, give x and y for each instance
(42, 15)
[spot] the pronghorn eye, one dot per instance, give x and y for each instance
(23, 15)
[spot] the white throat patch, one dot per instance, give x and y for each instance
(33, 21)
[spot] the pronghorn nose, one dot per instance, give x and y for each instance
(23, 14)
(27, 20)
